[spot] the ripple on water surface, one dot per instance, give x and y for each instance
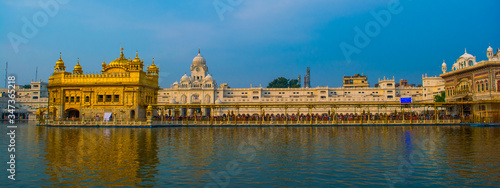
(256, 156)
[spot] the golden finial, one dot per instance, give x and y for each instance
(121, 50)
(153, 60)
(199, 51)
(60, 54)
(78, 62)
(136, 54)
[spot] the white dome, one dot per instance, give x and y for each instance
(490, 49)
(176, 83)
(218, 101)
(185, 78)
(199, 60)
(208, 78)
(444, 64)
(466, 55)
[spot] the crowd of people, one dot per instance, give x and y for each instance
(307, 117)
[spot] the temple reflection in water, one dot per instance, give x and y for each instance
(187, 156)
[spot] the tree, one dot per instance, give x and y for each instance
(294, 83)
(440, 97)
(282, 82)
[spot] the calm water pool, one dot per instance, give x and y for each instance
(406, 156)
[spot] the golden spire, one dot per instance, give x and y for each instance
(60, 62)
(153, 66)
(136, 59)
(199, 51)
(78, 68)
(121, 52)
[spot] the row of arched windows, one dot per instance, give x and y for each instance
(194, 97)
(464, 64)
(482, 86)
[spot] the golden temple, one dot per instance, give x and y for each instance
(122, 88)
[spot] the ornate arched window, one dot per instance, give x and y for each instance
(184, 99)
(207, 99)
(195, 97)
(471, 63)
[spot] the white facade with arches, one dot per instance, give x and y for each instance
(199, 87)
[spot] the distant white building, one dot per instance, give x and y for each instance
(199, 87)
(28, 99)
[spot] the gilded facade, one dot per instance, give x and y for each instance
(122, 87)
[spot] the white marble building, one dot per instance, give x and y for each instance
(28, 100)
(199, 87)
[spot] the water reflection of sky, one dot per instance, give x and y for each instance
(293, 156)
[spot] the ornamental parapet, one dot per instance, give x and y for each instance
(101, 75)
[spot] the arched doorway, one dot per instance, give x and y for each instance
(72, 113)
(132, 114)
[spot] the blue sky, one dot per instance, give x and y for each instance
(255, 42)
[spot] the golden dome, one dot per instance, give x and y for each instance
(77, 66)
(60, 62)
(121, 60)
(153, 66)
(136, 59)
